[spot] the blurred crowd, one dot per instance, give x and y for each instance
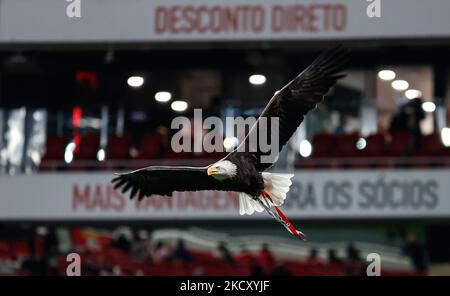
(104, 254)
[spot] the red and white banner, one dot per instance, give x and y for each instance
(216, 20)
(314, 195)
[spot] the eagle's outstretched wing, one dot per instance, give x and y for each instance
(163, 180)
(293, 102)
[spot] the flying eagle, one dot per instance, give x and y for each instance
(242, 170)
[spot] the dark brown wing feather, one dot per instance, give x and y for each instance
(294, 101)
(161, 180)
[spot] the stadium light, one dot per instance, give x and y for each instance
(230, 143)
(305, 149)
(361, 144)
(42, 230)
(135, 81)
(257, 79)
(35, 157)
(179, 106)
(400, 85)
(163, 96)
(413, 93)
(101, 155)
(386, 75)
(68, 153)
(429, 107)
(445, 136)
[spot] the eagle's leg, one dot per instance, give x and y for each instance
(280, 217)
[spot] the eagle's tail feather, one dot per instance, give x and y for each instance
(248, 205)
(277, 186)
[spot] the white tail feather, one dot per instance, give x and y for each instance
(276, 185)
(247, 205)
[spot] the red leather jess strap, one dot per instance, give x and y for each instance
(285, 219)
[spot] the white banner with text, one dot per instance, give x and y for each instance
(314, 195)
(216, 20)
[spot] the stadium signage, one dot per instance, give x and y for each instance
(217, 20)
(257, 19)
(366, 194)
(418, 194)
(102, 197)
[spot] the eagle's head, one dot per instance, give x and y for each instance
(222, 170)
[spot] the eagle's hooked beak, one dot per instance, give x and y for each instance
(212, 170)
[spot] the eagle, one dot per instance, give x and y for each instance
(243, 170)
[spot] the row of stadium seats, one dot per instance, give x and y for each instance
(349, 150)
(150, 147)
(377, 150)
(112, 261)
(377, 145)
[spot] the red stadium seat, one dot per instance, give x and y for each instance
(86, 156)
(203, 257)
(150, 146)
(244, 259)
(242, 271)
(4, 247)
(119, 147)
(400, 145)
(20, 249)
(323, 145)
(430, 147)
(322, 148)
(345, 147)
(89, 145)
(54, 152)
(55, 148)
(375, 146)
